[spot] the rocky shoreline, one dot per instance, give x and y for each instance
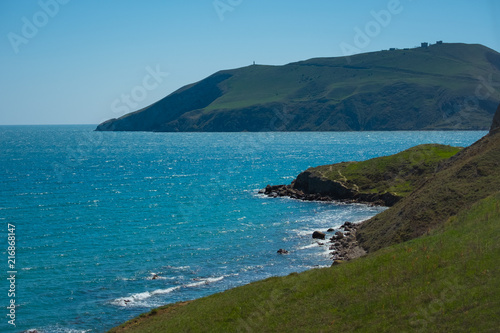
(343, 244)
(332, 191)
(307, 186)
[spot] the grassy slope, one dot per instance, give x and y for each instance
(399, 173)
(449, 64)
(469, 176)
(448, 281)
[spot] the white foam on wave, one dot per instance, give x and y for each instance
(251, 268)
(157, 276)
(164, 291)
(139, 299)
(308, 246)
(181, 268)
(204, 281)
(304, 232)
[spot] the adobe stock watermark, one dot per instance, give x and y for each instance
(31, 26)
(426, 315)
(363, 36)
(487, 89)
(130, 101)
(223, 6)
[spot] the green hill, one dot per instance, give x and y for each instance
(447, 86)
(446, 280)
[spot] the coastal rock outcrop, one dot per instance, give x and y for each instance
(309, 186)
(495, 126)
(312, 183)
(318, 235)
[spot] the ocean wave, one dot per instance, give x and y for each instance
(305, 232)
(251, 268)
(180, 268)
(157, 276)
(308, 246)
(139, 299)
(204, 281)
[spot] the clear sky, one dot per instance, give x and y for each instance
(85, 61)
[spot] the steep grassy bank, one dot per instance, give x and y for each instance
(469, 176)
(448, 281)
(398, 174)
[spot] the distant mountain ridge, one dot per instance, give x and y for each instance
(446, 86)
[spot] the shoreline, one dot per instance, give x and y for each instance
(334, 194)
(343, 245)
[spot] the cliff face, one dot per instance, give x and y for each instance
(495, 127)
(313, 183)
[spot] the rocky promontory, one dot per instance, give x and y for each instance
(378, 181)
(332, 191)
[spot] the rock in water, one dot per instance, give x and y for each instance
(282, 251)
(319, 235)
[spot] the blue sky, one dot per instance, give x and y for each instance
(82, 62)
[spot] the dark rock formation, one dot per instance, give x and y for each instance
(345, 245)
(282, 251)
(311, 183)
(495, 126)
(309, 186)
(318, 235)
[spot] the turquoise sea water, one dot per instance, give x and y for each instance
(98, 215)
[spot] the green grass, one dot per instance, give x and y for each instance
(448, 281)
(398, 174)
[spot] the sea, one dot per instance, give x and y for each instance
(99, 227)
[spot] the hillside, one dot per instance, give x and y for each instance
(469, 176)
(447, 86)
